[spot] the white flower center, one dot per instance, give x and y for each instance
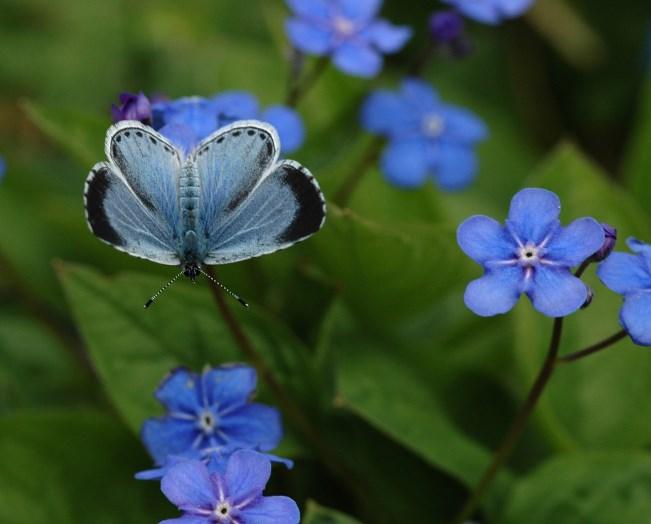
(433, 125)
(343, 26)
(207, 421)
(222, 511)
(529, 254)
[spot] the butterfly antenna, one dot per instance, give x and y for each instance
(151, 300)
(234, 295)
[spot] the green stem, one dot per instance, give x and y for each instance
(603, 344)
(514, 433)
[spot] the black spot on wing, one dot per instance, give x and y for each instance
(311, 208)
(97, 190)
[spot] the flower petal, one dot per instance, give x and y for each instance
(273, 510)
(254, 425)
(454, 167)
(484, 239)
(420, 95)
(496, 292)
(180, 391)
(534, 214)
(357, 59)
(307, 37)
(387, 37)
(359, 10)
(188, 519)
(636, 317)
(182, 136)
(461, 125)
(555, 292)
(624, 273)
(513, 8)
(310, 8)
(482, 11)
(229, 386)
(167, 436)
(404, 164)
(188, 485)
(231, 106)
(247, 474)
(383, 113)
(289, 125)
(575, 243)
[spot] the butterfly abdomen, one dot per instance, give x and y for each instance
(189, 191)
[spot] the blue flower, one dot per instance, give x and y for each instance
(231, 496)
(427, 138)
(132, 107)
(491, 11)
(347, 30)
(630, 275)
(187, 121)
(208, 412)
(3, 168)
(532, 253)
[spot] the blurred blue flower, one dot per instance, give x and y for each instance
(347, 30)
(630, 276)
(132, 107)
(208, 412)
(229, 496)
(530, 254)
(427, 138)
(187, 121)
(491, 11)
(3, 168)
(447, 30)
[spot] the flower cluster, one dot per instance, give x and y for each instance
(427, 137)
(213, 433)
(348, 31)
(187, 121)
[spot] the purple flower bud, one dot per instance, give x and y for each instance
(610, 239)
(132, 107)
(446, 26)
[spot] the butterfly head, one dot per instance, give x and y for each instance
(191, 270)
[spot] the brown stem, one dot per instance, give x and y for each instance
(286, 403)
(607, 342)
(512, 437)
(354, 177)
(299, 88)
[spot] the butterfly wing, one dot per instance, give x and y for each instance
(131, 201)
(252, 204)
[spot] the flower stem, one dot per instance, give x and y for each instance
(300, 87)
(356, 174)
(607, 342)
(514, 433)
(286, 403)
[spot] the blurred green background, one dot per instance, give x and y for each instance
(364, 323)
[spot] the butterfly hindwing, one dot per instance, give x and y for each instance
(285, 207)
(150, 165)
(117, 216)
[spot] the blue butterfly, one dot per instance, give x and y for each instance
(227, 200)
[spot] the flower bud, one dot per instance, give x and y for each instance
(447, 30)
(610, 239)
(132, 107)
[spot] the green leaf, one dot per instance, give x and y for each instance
(388, 274)
(78, 133)
(316, 514)
(588, 402)
(637, 165)
(378, 384)
(133, 349)
(599, 488)
(29, 350)
(72, 467)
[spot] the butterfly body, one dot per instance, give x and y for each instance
(229, 199)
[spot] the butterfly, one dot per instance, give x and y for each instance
(229, 199)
